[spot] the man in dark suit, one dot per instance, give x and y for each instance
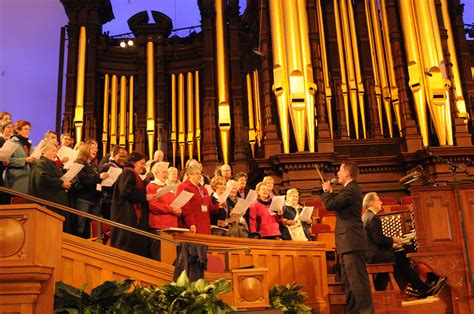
(379, 250)
(350, 237)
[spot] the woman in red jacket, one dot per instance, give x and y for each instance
(196, 211)
(261, 219)
(161, 214)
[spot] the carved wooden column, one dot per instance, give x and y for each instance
(456, 9)
(411, 135)
(271, 141)
(461, 135)
(160, 78)
(323, 137)
(91, 94)
(240, 144)
(340, 126)
(209, 105)
(30, 253)
(71, 71)
(367, 71)
(140, 100)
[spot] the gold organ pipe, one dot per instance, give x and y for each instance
(460, 103)
(434, 87)
(181, 130)
(250, 111)
(350, 64)
(280, 85)
(123, 111)
(327, 85)
(80, 86)
(358, 75)
(131, 134)
(190, 114)
(375, 64)
(415, 66)
(105, 125)
(173, 117)
(386, 97)
(296, 79)
(391, 70)
(310, 86)
(446, 121)
(150, 97)
(197, 105)
(113, 111)
(258, 116)
(342, 63)
(222, 84)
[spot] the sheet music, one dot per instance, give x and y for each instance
(251, 196)
(166, 189)
(222, 198)
(306, 213)
(277, 203)
(241, 207)
(72, 172)
(114, 173)
(182, 199)
(7, 150)
(68, 152)
(36, 154)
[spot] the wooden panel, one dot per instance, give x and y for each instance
(287, 261)
(436, 219)
(88, 263)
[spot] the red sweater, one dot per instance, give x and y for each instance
(161, 215)
(269, 222)
(192, 211)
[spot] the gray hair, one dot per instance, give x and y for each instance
(369, 199)
(192, 167)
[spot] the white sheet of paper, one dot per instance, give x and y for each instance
(166, 189)
(251, 196)
(182, 199)
(222, 198)
(37, 150)
(72, 172)
(114, 173)
(306, 213)
(68, 152)
(277, 203)
(7, 150)
(241, 207)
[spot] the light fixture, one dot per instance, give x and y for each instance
(130, 43)
(123, 44)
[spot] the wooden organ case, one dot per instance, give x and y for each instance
(444, 219)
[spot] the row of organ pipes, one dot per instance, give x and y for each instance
(293, 81)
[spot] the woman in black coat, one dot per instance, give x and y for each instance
(45, 180)
(130, 206)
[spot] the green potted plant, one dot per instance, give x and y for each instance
(181, 296)
(289, 298)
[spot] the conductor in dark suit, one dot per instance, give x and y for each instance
(350, 238)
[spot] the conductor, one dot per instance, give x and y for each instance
(350, 237)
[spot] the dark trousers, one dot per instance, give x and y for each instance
(356, 283)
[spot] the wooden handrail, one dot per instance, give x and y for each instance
(107, 221)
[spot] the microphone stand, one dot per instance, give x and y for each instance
(454, 171)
